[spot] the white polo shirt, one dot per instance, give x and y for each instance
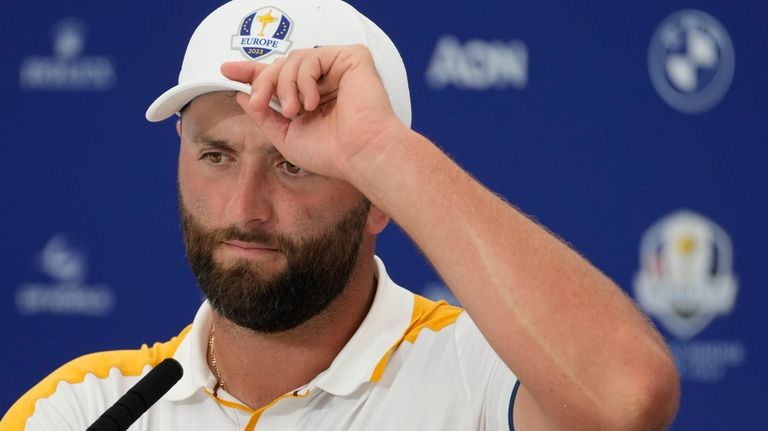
(413, 364)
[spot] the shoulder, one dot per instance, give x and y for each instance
(432, 315)
(74, 384)
(450, 321)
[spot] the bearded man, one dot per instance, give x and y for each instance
(290, 163)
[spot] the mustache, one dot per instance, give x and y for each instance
(196, 233)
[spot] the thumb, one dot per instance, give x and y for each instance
(273, 124)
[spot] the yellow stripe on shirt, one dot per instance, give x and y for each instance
(426, 314)
(129, 362)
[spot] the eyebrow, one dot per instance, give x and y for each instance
(223, 144)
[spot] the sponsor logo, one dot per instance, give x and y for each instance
(478, 64)
(262, 33)
(685, 281)
(68, 69)
(685, 278)
(67, 293)
(691, 61)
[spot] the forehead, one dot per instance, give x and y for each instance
(218, 116)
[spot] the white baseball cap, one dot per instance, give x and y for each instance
(264, 30)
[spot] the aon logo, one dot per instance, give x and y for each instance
(478, 64)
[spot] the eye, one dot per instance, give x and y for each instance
(291, 169)
(214, 158)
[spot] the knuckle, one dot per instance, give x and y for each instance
(360, 49)
(297, 53)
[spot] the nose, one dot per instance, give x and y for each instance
(250, 200)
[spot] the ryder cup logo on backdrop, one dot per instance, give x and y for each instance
(685, 281)
(68, 69)
(67, 293)
(263, 32)
(685, 278)
(691, 61)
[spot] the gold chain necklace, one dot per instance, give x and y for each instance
(212, 359)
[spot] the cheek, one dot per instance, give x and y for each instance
(305, 219)
(292, 216)
(196, 206)
(194, 195)
(318, 216)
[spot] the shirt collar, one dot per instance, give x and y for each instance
(382, 328)
(192, 355)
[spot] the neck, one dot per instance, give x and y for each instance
(258, 367)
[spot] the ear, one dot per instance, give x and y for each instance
(376, 221)
(178, 127)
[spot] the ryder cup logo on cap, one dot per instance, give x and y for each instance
(268, 30)
(691, 61)
(263, 32)
(685, 278)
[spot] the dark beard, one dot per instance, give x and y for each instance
(318, 270)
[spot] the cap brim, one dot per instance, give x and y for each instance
(174, 99)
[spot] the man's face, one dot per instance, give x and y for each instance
(271, 245)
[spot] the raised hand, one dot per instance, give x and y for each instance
(334, 106)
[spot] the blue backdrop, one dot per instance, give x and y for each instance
(615, 124)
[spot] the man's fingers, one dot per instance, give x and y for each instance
(303, 81)
(287, 92)
(247, 72)
(243, 71)
(243, 100)
(310, 72)
(265, 84)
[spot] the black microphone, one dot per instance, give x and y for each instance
(140, 397)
